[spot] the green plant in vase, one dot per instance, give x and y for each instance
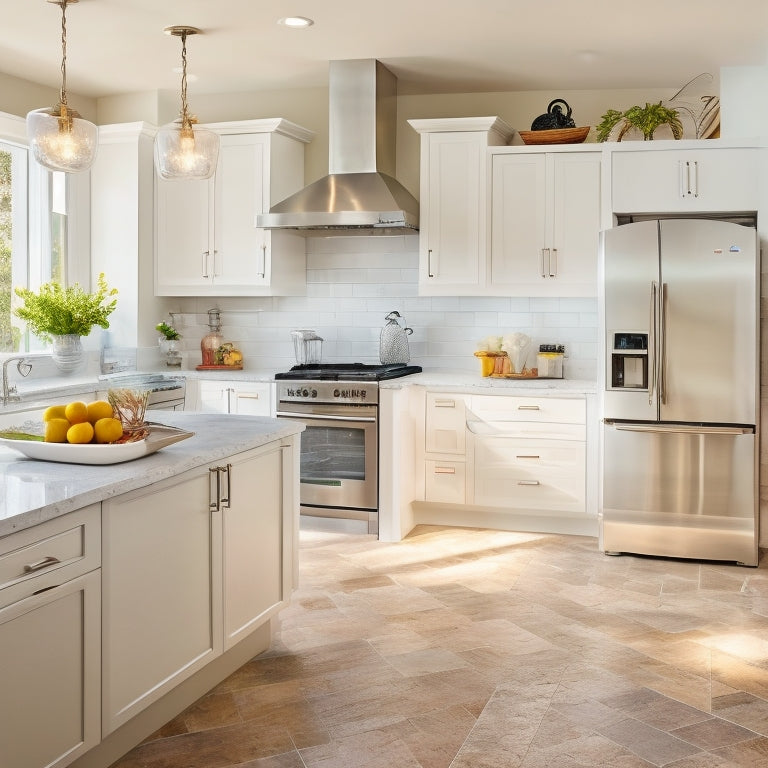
(62, 315)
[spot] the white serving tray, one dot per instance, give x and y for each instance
(92, 453)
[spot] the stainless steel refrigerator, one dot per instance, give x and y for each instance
(679, 458)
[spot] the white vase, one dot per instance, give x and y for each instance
(68, 352)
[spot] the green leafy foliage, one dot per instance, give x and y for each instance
(646, 119)
(168, 331)
(55, 311)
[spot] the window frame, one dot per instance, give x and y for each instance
(32, 224)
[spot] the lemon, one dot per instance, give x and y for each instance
(76, 412)
(99, 409)
(54, 412)
(81, 432)
(108, 430)
(56, 430)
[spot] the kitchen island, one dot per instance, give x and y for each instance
(129, 590)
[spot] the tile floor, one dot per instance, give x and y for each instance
(466, 648)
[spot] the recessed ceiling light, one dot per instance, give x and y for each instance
(296, 22)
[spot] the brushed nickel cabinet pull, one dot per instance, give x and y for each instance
(40, 564)
(430, 273)
(445, 470)
(528, 408)
(527, 456)
(445, 403)
(528, 482)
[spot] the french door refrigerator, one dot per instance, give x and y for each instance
(679, 459)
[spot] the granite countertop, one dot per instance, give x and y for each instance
(35, 491)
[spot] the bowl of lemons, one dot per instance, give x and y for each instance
(99, 432)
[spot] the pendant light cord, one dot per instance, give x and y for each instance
(63, 92)
(185, 120)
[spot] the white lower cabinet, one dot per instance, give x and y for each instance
(50, 602)
(527, 453)
(444, 446)
(505, 461)
(244, 398)
(529, 474)
(191, 565)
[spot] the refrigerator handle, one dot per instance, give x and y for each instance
(662, 384)
(652, 344)
(683, 429)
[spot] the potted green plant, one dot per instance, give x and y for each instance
(62, 316)
(170, 344)
(645, 119)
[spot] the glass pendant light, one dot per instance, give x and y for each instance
(183, 150)
(59, 138)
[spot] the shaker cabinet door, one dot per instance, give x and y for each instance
(684, 180)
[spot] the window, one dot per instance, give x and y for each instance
(33, 237)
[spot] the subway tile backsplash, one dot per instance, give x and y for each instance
(353, 282)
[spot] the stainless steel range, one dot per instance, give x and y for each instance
(339, 474)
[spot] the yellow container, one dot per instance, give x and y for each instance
(487, 362)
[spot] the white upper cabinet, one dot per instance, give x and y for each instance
(676, 179)
(545, 223)
(206, 239)
(452, 235)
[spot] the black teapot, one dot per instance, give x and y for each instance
(554, 118)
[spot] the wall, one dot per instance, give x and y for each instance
(309, 107)
(353, 282)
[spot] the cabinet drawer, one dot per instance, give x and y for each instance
(49, 554)
(445, 423)
(445, 481)
(546, 409)
(540, 474)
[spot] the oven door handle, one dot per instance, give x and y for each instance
(324, 417)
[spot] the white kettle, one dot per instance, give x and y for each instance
(393, 342)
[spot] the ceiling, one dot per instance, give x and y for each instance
(117, 46)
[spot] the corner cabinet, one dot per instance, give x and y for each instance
(545, 222)
(683, 177)
(206, 241)
(452, 232)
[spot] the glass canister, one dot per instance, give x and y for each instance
(213, 339)
(307, 347)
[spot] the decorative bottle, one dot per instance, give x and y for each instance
(393, 342)
(213, 339)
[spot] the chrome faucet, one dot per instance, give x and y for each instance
(23, 366)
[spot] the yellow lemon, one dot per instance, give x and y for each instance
(76, 412)
(108, 430)
(54, 412)
(56, 430)
(99, 409)
(80, 433)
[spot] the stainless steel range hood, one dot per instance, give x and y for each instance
(360, 195)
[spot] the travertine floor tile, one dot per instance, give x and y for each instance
(463, 648)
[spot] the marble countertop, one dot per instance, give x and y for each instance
(32, 492)
(449, 381)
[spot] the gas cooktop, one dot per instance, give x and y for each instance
(348, 372)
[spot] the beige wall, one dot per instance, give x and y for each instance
(309, 107)
(17, 97)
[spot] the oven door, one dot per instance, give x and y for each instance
(339, 457)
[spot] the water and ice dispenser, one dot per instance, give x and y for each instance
(629, 360)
